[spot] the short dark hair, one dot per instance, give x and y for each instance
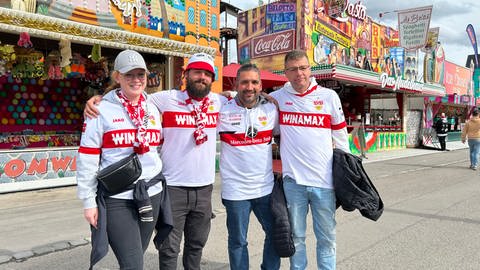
(294, 55)
(475, 111)
(248, 67)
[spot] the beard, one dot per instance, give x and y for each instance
(197, 91)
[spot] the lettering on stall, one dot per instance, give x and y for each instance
(356, 10)
(17, 167)
(277, 43)
(398, 83)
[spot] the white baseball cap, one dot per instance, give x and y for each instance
(201, 61)
(128, 60)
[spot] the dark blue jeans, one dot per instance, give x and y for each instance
(238, 218)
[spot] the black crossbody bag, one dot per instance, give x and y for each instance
(116, 177)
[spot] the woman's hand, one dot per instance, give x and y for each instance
(91, 215)
(91, 110)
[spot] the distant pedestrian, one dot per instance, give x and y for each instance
(441, 127)
(471, 131)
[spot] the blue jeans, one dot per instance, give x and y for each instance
(474, 145)
(322, 204)
(238, 218)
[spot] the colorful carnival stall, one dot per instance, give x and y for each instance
(55, 55)
(362, 60)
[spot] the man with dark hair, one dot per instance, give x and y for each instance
(246, 129)
(311, 125)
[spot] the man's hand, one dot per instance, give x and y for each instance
(91, 110)
(91, 215)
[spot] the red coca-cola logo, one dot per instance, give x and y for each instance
(276, 43)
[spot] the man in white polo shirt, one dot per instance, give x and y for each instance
(246, 129)
(311, 124)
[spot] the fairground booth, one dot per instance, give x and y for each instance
(374, 68)
(56, 55)
(457, 104)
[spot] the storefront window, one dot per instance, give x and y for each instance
(203, 18)
(191, 15)
(384, 113)
(214, 22)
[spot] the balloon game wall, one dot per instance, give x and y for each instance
(40, 112)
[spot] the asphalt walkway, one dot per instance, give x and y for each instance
(43, 221)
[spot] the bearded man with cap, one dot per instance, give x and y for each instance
(188, 155)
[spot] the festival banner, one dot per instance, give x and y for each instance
(413, 25)
(473, 40)
(476, 83)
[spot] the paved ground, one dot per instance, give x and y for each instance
(39, 222)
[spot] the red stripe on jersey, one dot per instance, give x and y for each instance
(305, 119)
(339, 126)
(89, 150)
(308, 91)
(239, 139)
(186, 120)
(126, 138)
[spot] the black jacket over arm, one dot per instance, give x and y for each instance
(282, 232)
(353, 187)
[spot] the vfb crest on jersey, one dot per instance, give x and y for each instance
(318, 104)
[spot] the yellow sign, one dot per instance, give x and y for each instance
(330, 33)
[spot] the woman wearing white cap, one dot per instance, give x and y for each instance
(128, 123)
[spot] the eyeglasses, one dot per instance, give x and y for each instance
(295, 69)
(132, 76)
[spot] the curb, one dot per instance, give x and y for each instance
(21, 256)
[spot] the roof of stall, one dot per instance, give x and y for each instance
(37, 25)
(361, 77)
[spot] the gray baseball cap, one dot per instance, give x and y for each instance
(128, 60)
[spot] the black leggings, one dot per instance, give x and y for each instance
(127, 235)
(443, 143)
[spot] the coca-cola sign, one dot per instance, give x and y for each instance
(276, 43)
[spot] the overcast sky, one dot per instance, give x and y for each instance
(451, 16)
